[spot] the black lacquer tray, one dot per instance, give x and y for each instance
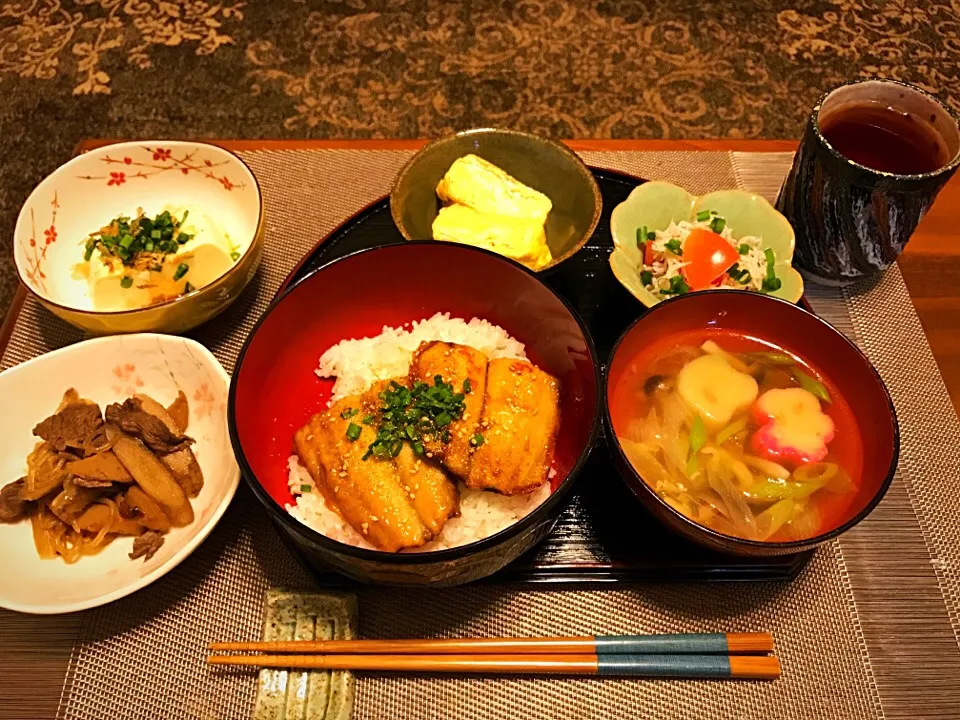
(605, 535)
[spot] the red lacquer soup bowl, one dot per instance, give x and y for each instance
(860, 399)
(275, 389)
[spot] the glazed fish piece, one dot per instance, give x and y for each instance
(519, 424)
(368, 493)
(434, 495)
(455, 364)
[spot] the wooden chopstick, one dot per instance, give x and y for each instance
(625, 665)
(691, 643)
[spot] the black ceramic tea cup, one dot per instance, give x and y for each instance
(873, 158)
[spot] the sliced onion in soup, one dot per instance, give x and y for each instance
(774, 518)
(767, 467)
(812, 472)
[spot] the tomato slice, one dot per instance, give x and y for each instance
(648, 255)
(709, 257)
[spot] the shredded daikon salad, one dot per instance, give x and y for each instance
(674, 264)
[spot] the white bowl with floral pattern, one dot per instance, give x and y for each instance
(108, 370)
(89, 191)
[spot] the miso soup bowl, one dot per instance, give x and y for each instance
(800, 333)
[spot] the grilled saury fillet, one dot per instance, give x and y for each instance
(380, 498)
(519, 423)
(455, 364)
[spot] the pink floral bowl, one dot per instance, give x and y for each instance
(90, 190)
(107, 370)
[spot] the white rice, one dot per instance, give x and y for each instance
(357, 364)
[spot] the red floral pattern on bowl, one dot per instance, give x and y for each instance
(150, 161)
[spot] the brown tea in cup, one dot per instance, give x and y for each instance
(873, 158)
(885, 138)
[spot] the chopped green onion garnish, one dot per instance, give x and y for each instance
(641, 236)
(646, 277)
(651, 235)
(678, 286)
(369, 419)
(353, 431)
(127, 238)
(467, 386)
(234, 256)
(349, 413)
(674, 246)
(771, 283)
(743, 249)
(739, 274)
(305, 488)
(188, 288)
(126, 282)
(406, 415)
(477, 440)
(718, 224)
(703, 216)
(181, 270)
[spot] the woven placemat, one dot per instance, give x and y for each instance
(869, 630)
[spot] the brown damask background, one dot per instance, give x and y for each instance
(71, 69)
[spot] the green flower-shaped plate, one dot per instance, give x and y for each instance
(657, 204)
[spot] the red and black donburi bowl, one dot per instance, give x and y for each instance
(800, 333)
(275, 390)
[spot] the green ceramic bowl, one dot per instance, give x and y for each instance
(657, 204)
(541, 164)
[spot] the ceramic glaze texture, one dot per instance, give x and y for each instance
(852, 221)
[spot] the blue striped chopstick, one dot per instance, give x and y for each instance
(603, 645)
(715, 667)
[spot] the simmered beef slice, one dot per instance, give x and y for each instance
(133, 420)
(146, 545)
(76, 426)
(12, 507)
